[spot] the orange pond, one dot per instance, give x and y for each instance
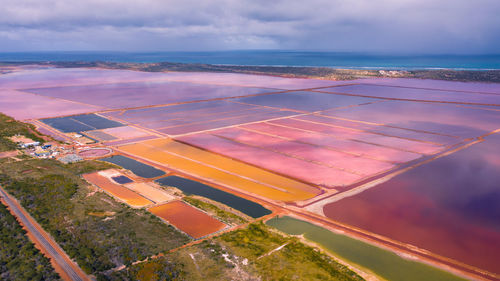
(149, 191)
(131, 198)
(222, 170)
(188, 219)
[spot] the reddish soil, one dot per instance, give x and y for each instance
(188, 219)
(8, 154)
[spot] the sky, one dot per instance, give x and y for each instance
(388, 26)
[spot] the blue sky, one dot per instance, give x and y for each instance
(390, 26)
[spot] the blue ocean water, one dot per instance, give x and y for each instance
(276, 58)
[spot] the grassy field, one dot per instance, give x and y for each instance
(294, 261)
(382, 262)
(94, 229)
(250, 253)
(157, 269)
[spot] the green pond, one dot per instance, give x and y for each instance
(383, 263)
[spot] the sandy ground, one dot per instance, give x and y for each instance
(150, 191)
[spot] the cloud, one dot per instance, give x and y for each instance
(446, 26)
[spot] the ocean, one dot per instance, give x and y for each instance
(276, 58)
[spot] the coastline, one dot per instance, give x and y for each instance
(324, 73)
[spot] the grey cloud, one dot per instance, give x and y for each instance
(453, 26)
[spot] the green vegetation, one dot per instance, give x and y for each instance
(19, 259)
(157, 269)
(382, 262)
(202, 261)
(37, 168)
(10, 127)
(245, 254)
(214, 210)
(60, 200)
(294, 261)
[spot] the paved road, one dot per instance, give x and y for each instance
(50, 246)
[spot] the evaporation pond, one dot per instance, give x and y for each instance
(193, 187)
(383, 263)
(449, 206)
(138, 168)
(122, 179)
(79, 123)
(304, 101)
